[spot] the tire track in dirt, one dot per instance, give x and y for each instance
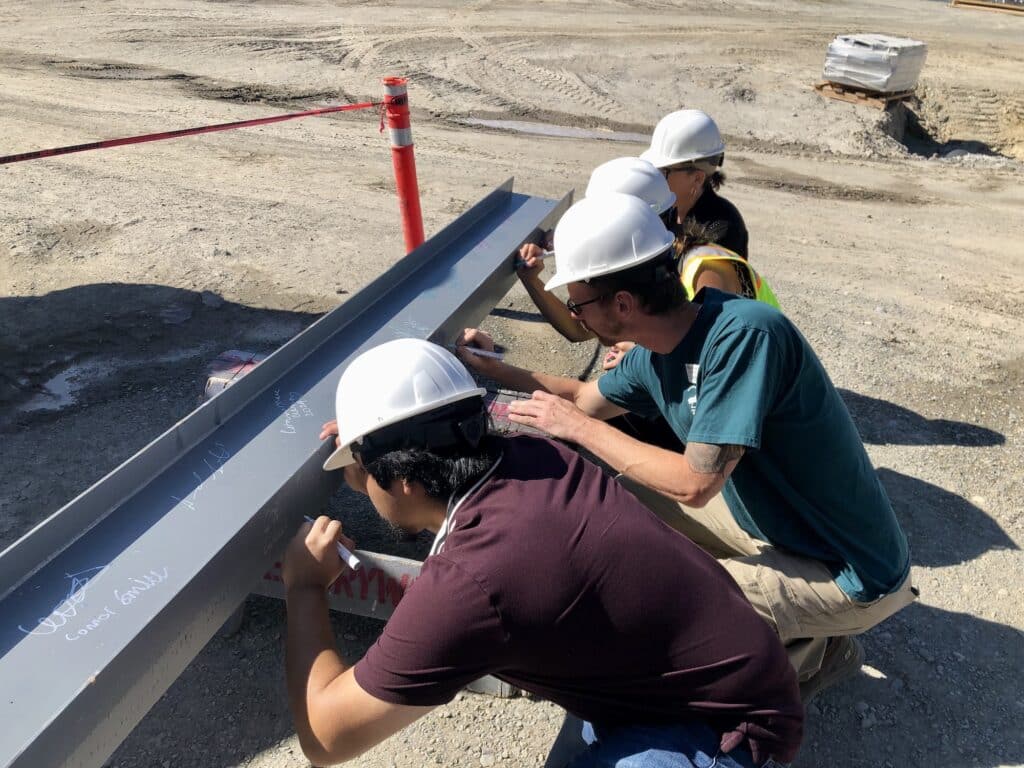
(447, 90)
(512, 66)
(969, 114)
(417, 55)
(201, 87)
(35, 245)
(102, 70)
(820, 188)
(225, 32)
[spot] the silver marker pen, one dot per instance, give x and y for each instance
(350, 560)
(483, 352)
(543, 255)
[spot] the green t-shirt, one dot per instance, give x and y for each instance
(744, 375)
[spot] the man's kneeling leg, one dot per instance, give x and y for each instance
(801, 600)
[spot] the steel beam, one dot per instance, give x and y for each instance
(104, 604)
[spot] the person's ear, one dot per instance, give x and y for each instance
(624, 302)
(699, 177)
(411, 488)
(356, 477)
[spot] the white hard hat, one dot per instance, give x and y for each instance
(604, 234)
(392, 382)
(632, 176)
(682, 137)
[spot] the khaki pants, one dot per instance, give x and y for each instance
(796, 595)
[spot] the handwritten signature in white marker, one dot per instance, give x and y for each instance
(294, 409)
(70, 606)
(219, 454)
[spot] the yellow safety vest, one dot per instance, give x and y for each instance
(697, 257)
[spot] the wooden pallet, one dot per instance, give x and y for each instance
(860, 96)
(985, 5)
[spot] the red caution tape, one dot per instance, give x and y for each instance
(181, 132)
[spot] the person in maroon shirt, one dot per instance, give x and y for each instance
(544, 572)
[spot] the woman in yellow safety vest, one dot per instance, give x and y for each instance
(705, 264)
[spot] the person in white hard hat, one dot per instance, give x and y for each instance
(773, 479)
(705, 263)
(688, 149)
(629, 175)
(530, 566)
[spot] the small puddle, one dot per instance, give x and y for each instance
(557, 131)
(61, 391)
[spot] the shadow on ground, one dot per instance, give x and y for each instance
(883, 423)
(108, 332)
(955, 676)
(923, 137)
(943, 528)
(518, 314)
(92, 374)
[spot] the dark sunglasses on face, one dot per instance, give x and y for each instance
(577, 308)
(666, 172)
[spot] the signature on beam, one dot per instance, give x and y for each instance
(293, 407)
(70, 606)
(219, 454)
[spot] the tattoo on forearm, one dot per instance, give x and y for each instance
(711, 459)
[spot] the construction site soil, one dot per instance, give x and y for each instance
(895, 241)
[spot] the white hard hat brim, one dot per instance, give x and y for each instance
(557, 281)
(341, 458)
(660, 162)
(654, 158)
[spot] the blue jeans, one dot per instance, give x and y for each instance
(689, 745)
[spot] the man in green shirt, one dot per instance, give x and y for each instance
(774, 479)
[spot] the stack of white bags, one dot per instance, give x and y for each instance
(875, 62)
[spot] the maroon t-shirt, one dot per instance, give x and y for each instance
(554, 578)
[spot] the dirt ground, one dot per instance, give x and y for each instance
(894, 240)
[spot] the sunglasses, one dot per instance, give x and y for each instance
(666, 172)
(577, 309)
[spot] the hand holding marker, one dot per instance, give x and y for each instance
(481, 352)
(543, 255)
(347, 557)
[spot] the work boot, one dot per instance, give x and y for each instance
(843, 658)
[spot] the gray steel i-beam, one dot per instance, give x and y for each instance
(104, 604)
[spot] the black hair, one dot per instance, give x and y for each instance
(443, 450)
(655, 283)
